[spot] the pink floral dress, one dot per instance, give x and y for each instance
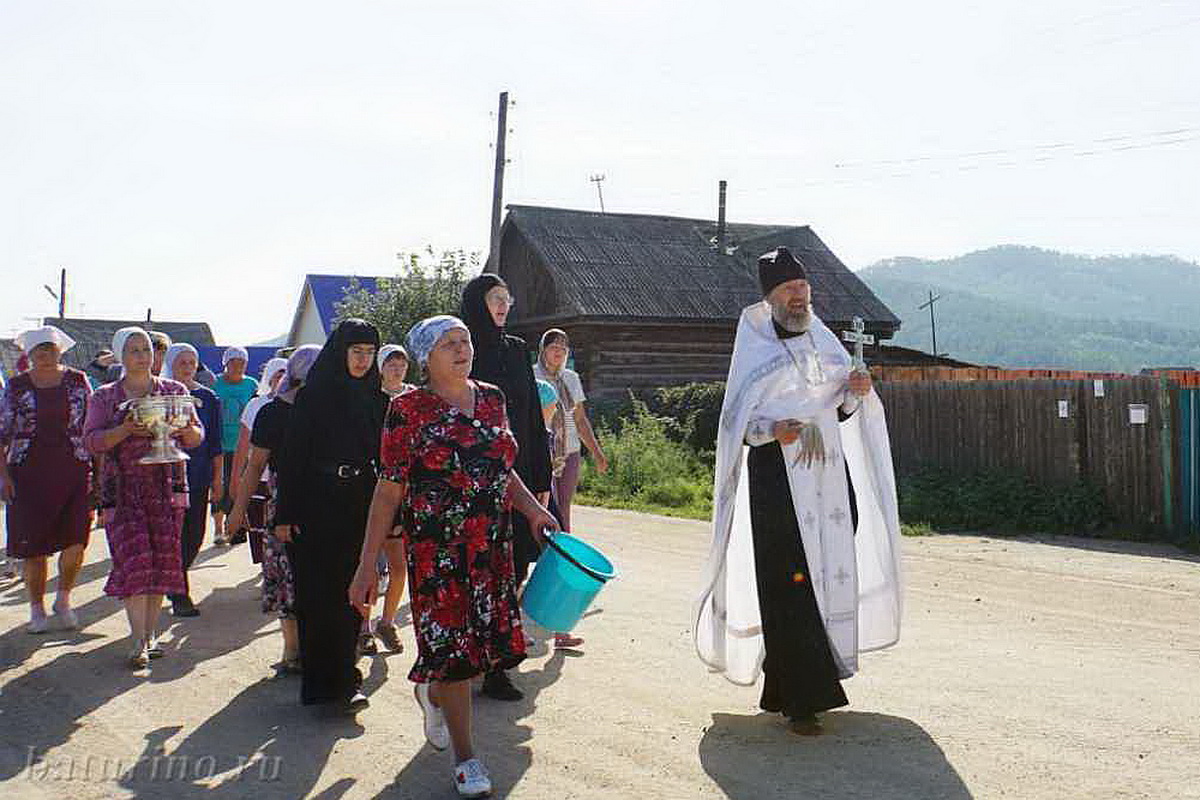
(143, 504)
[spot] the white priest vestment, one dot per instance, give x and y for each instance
(855, 575)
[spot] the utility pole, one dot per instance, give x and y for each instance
(498, 181)
(61, 294)
(932, 322)
(598, 178)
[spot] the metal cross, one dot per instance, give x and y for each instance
(838, 515)
(859, 338)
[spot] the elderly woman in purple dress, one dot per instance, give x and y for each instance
(44, 471)
(143, 504)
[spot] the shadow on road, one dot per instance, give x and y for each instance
(861, 755)
(262, 744)
(44, 707)
(501, 741)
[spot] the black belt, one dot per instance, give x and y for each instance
(348, 471)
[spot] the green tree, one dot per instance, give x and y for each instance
(427, 284)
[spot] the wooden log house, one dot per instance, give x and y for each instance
(651, 300)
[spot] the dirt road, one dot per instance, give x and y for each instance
(1052, 669)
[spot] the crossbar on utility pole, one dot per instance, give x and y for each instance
(597, 179)
(932, 321)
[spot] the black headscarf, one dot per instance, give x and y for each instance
(350, 410)
(329, 371)
(504, 361)
(485, 333)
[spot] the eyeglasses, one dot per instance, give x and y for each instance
(502, 300)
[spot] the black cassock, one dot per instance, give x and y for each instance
(800, 675)
(326, 478)
(504, 361)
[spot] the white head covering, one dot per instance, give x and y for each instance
(298, 365)
(174, 352)
(389, 350)
(425, 334)
(122, 336)
(234, 352)
(270, 370)
(47, 333)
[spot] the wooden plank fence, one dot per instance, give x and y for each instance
(1106, 430)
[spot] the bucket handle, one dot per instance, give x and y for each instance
(586, 570)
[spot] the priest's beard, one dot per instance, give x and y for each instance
(793, 319)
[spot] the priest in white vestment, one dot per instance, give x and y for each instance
(803, 573)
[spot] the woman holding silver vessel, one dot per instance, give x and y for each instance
(143, 504)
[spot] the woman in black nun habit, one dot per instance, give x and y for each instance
(505, 361)
(326, 479)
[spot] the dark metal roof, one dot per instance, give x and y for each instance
(652, 266)
(93, 335)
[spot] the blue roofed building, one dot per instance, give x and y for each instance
(317, 310)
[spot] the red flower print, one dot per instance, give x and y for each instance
(476, 527)
(437, 458)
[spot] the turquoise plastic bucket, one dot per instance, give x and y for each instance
(568, 576)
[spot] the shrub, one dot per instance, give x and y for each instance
(678, 492)
(650, 467)
(693, 408)
(999, 500)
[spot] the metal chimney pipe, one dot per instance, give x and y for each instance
(721, 214)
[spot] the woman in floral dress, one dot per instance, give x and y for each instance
(44, 470)
(143, 504)
(447, 467)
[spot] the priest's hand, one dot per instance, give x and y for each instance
(859, 383)
(787, 431)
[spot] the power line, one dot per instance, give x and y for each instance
(1157, 139)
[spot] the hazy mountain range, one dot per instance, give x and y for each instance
(1023, 306)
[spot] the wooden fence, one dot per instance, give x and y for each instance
(1108, 430)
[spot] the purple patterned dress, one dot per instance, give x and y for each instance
(143, 504)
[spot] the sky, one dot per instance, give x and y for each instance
(198, 159)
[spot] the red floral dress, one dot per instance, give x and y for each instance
(455, 526)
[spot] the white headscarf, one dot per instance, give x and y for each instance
(122, 336)
(174, 352)
(234, 352)
(270, 370)
(298, 365)
(47, 333)
(389, 350)
(425, 334)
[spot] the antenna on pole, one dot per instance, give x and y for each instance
(932, 321)
(598, 178)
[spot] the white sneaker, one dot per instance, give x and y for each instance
(471, 779)
(65, 620)
(436, 732)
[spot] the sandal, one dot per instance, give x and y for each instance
(137, 657)
(565, 641)
(289, 666)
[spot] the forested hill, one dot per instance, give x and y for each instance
(1022, 306)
